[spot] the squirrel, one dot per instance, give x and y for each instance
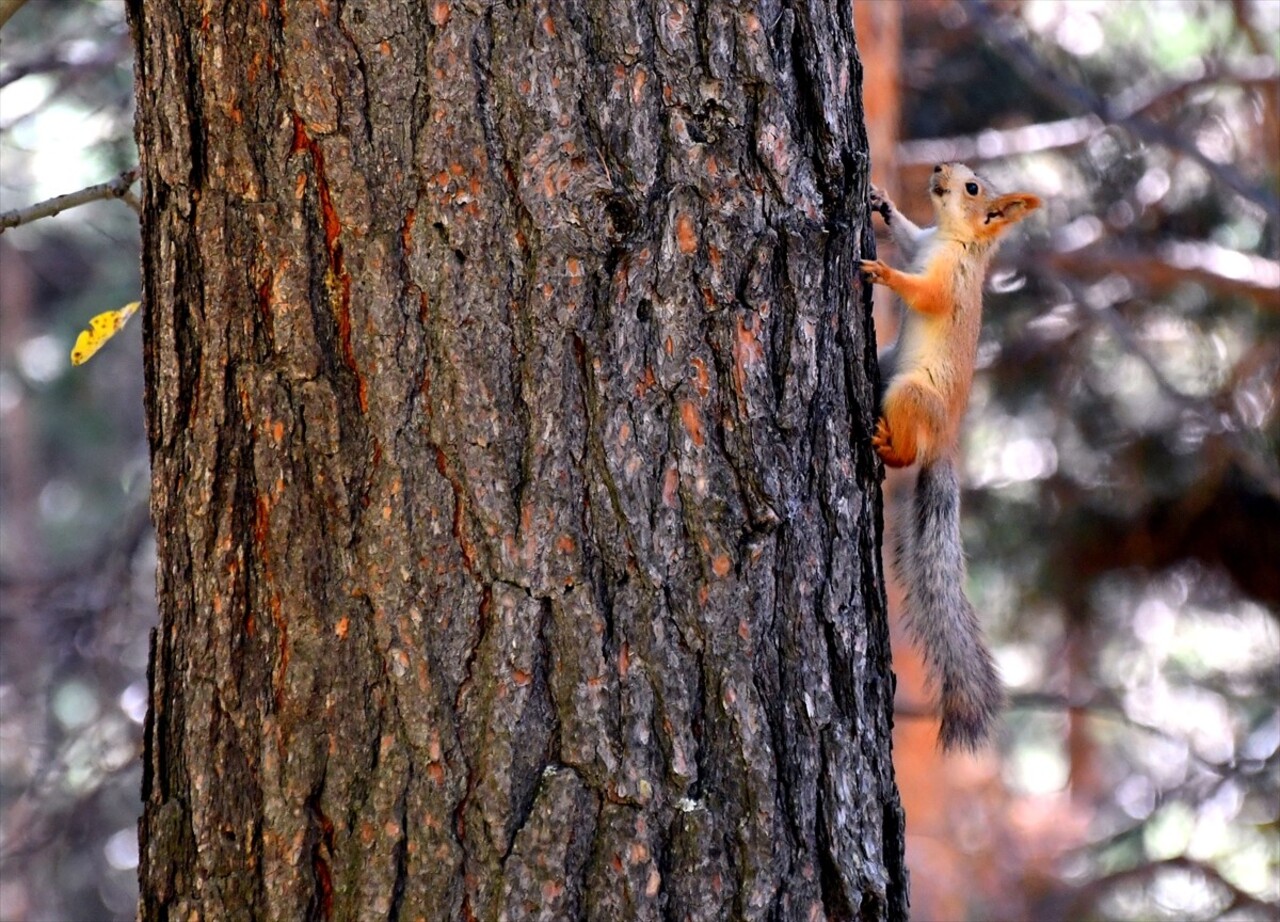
(929, 371)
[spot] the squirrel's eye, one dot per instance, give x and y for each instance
(971, 188)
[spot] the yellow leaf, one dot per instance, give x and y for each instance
(101, 328)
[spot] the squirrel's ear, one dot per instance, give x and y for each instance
(1006, 209)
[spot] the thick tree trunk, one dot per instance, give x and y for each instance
(509, 385)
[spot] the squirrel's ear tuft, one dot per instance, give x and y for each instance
(1013, 207)
(1005, 210)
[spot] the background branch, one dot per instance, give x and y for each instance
(995, 143)
(8, 8)
(1074, 96)
(1172, 264)
(115, 188)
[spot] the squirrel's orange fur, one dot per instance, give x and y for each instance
(930, 371)
(929, 390)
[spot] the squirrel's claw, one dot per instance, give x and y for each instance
(880, 202)
(882, 442)
(874, 269)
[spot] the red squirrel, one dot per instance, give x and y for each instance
(929, 372)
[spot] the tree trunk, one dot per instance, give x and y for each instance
(509, 384)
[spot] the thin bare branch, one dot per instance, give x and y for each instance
(1217, 268)
(8, 8)
(994, 144)
(1075, 96)
(1244, 22)
(1239, 898)
(56, 60)
(115, 188)
(1094, 261)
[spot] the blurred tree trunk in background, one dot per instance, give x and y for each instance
(928, 781)
(508, 385)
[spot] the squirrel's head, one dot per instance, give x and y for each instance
(969, 210)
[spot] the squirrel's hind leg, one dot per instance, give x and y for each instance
(913, 422)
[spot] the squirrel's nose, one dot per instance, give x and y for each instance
(937, 168)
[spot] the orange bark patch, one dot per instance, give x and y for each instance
(647, 380)
(721, 565)
(440, 13)
(692, 421)
(265, 292)
(637, 84)
(747, 350)
(653, 884)
(339, 277)
(701, 380)
(406, 230)
(262, 513)
(746, 346)
(670, 484)
(624, 659)
(686, 236)
(460, 531)
(300, 139)
(565, 544)
(340, 629)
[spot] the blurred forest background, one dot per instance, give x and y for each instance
(1122, 505)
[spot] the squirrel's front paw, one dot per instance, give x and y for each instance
(874, 270)
(880, 202)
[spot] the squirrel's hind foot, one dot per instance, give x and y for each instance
(882, 442)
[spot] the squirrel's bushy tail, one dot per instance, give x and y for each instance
(930, 564)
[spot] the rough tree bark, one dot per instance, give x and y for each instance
(508, 386)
